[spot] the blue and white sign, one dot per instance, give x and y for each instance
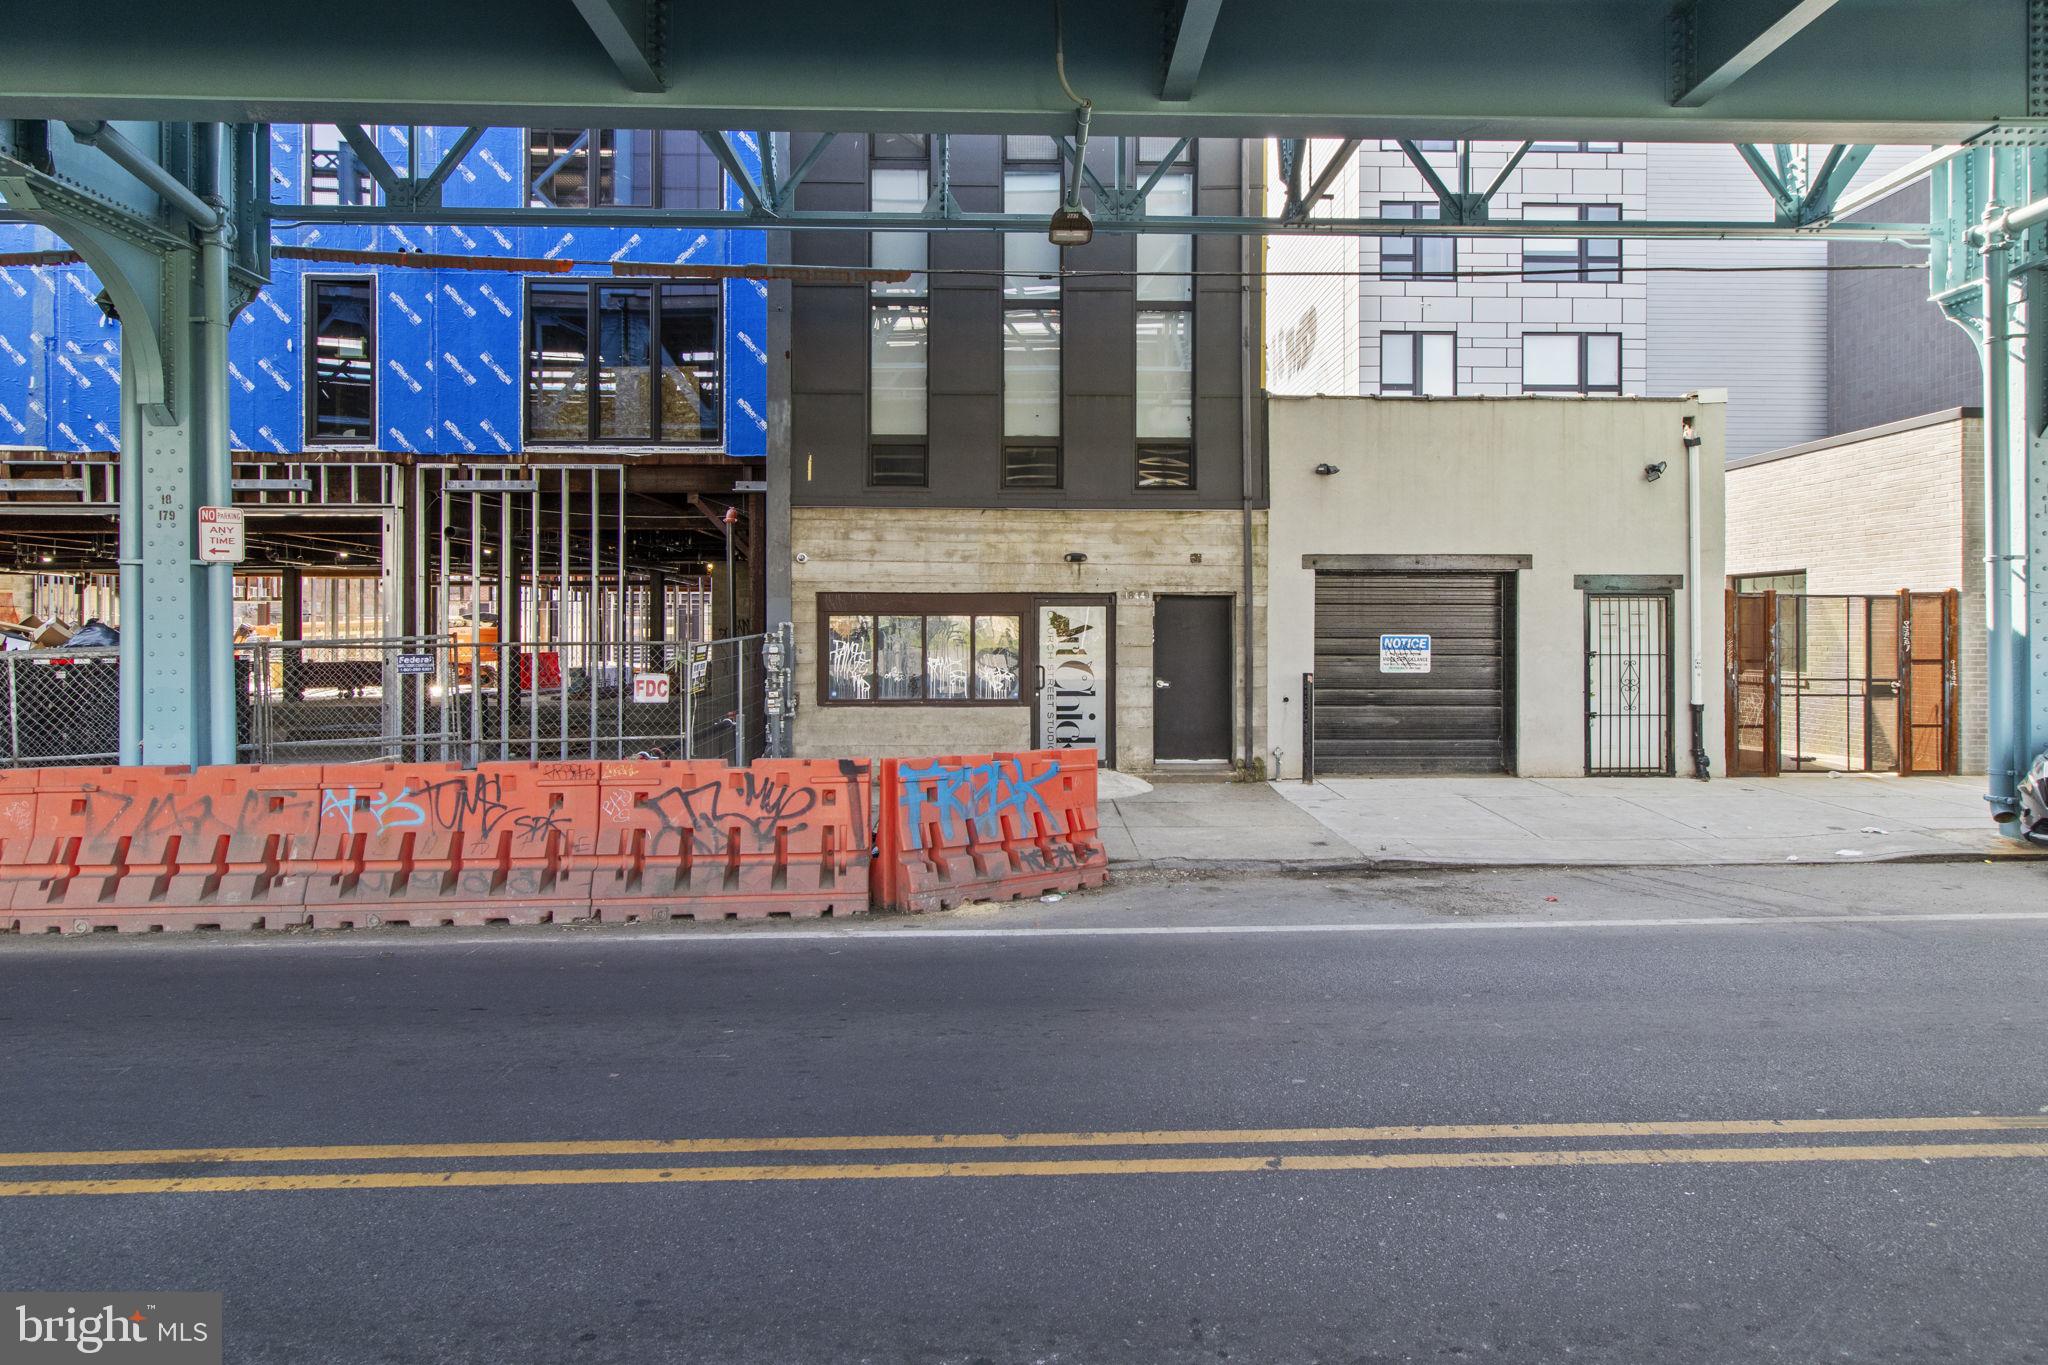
(415, 665)
(1404, 654)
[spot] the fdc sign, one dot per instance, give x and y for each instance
(1404, 654)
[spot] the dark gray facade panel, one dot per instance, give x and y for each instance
(1101, 454)
(975, 161)
(959, 424)
(1110, 251)
(1098, 343)
(844, 162)
(1217, 164)
(1892, 354)
(828, 445)
(830, 331)
(959, 360)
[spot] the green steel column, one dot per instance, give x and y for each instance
(210, 446)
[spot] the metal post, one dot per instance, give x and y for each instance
(13, 718)
(2005, 660)
(690, 700)
(739, 704)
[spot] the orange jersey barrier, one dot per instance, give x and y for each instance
(987, 827)
(701, 840)
(361, 845)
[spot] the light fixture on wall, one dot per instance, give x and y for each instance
(1075, 557)
(1326, 469)
(1653, 472)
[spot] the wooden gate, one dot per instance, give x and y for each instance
(1842, 683)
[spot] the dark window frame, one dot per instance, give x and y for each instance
(1186, 448)
(1410, 249)
(311, 361)
(1024, 607)
(881, 447)
(592, 285)
(1057, 305)
(1584, 388)
(586, 146)
(1578, 260)
(1414, 339)
(1590, 148)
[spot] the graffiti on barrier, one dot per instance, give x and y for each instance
(973, 796)
(381, 812)
(753, 807)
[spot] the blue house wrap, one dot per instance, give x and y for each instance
(450, 343)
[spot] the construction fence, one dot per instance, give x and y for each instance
(434, 699)
(335, 846)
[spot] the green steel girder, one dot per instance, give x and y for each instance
(1864, 71)
(951, 218)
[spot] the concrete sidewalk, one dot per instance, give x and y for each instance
(1481, 821)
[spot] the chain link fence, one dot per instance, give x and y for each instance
(63, 706)
(429, 700)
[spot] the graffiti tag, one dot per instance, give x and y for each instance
(976, 795)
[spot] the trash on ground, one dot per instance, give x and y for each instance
(1050, 900)
(1873, 829)
(1848, 853)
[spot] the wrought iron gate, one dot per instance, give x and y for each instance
(1628, 684)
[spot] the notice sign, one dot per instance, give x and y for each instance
(221, 539)
(650, 687)
(414, 665)
(1404, 654)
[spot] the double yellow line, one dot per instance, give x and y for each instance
(489, 1177)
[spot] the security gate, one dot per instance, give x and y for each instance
(1628, 684)
(1847, 683)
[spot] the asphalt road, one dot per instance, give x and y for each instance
(1174, 1210)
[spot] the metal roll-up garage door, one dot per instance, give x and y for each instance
(1449, 719)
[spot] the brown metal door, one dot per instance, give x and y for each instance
(1753, 684)
(1927, 677)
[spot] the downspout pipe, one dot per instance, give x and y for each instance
(2005, 658)
(132, 159)
(1251, 326)
(1695, 598)
(210, 434)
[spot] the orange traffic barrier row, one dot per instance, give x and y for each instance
(987, 827)
(344, 846)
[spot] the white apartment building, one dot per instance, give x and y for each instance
(1489, 316)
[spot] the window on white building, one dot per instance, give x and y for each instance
(1571, 362)
(1571, 260)
(1417, 258)
(1419, 363)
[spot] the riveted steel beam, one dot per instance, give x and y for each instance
(1190, 24)
(1721, 41)
(633, 34)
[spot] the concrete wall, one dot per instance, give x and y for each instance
(1873, 512)
(1131, 555)
(1557, 479)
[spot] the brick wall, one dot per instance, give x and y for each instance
(1892, 510)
